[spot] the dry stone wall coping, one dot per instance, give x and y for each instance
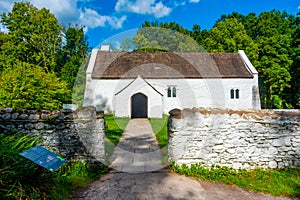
(8, 114)
(255, 114)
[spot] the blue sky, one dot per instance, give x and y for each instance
(106, 18)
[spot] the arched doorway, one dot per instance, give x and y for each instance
(139, 106)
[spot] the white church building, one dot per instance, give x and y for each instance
(144, 85)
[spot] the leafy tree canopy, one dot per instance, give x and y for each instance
(270, 39)
(36, 39)
(34, 36)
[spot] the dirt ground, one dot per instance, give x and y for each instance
(163, 185)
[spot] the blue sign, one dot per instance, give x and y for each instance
(44, 158)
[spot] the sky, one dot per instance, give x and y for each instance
(105, 19)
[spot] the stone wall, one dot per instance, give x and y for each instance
(79, 134)
(238, 139)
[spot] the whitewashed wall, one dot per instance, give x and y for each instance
(191, 93)
(238, 139)
(122, 100)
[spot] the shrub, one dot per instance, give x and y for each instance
(24, 86)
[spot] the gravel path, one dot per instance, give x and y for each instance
(162, 185)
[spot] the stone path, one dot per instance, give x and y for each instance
(135, 156)
(138, 150)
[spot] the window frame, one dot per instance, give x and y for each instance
(174, 92)
(237, 93)
(232, 94)
(169, 92)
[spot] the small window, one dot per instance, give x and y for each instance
(169, 91)
(232, 93)
(174, 92)
(237, 93)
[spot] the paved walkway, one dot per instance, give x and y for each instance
(139, 153)
(138, 150)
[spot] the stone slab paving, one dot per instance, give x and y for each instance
(139, 175)
(138, 150)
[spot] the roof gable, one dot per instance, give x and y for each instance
(137, 82)
(116, 65)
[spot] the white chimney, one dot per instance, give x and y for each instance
(105, 48)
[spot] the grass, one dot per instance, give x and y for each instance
(160, 128)
(75, 175)
(22, 179)
(285, 182)
(114, 129)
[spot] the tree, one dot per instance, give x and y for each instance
(295, 68)
(273, 36)
(230, 36)
(154, 36)
(24, 86)
(36, 40)
(271, 32)
(34, 37)
(3, 40)
(73, 54)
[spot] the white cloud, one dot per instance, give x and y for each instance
(3, 28)
(158, 9)
(179, 3)
(194, 1)
(92, 19)
(66, 11)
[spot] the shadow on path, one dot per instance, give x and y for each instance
(138, 149)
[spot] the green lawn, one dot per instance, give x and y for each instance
(285, 182)
(160, 128)
(114, 129)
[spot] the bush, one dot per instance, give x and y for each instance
(24, 86)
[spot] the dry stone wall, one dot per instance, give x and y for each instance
(79, 134)
(238, 139)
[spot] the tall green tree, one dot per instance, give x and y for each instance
(230, 36)
(295, 68)
(273, 35)
(154, 36)
(34, 37)
(73, 54)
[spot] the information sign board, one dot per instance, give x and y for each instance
(44, 158)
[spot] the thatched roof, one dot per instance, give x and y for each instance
(113, 65)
